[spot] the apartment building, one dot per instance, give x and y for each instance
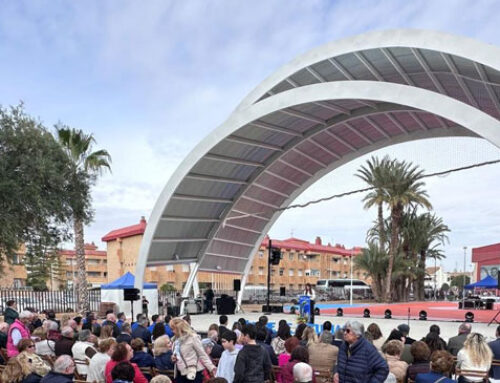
(303, 262)
(96, 264)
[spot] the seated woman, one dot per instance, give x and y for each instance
(141, 358)
(162, 350)
(43, 346)
(441, 364)
(392, 352)
(299, 354)
(27, 367)
(421, 355)
(475, 355)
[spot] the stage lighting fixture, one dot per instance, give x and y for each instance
(316, 311)
(366, 313)
(469, 316)
(388, 314)
(340, 312)
(422, 315)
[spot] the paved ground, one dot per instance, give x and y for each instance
(418, 329)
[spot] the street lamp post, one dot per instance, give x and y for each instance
(463, 279)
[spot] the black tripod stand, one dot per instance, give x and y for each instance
(495, 318)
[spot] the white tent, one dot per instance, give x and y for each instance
(113, 292)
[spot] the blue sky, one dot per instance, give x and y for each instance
(151, 79)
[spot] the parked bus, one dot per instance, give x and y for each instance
(340, 288)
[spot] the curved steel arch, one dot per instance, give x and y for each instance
(453, 110)
(465, 47)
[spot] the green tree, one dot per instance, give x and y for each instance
(458, 281)
(33, 182)
(86, 166)
(375, 175)
(374, 262)
(403, 188)
(42, 262)
(166, 288)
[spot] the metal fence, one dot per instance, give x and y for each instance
(59, 301)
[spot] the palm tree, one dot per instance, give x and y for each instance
(375, 175)
(403, 188)
(424, 234)
(374, 262)
(87, 165)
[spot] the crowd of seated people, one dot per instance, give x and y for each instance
(41, 348)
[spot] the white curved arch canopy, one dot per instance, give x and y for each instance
(322, 110)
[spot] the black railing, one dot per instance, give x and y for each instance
(59, 301)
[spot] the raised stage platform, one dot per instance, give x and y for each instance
(439, 311)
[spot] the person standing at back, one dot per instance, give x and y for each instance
(11, 314)
(252, 363)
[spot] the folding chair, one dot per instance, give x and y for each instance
(323, 376)
(473, 373)
(80, 362)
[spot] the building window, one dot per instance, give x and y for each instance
(299, 272)
(68, 274)
(273, 272)
(261, 270)
(93, 274)
(15, 259)
(335, 260)
(251, 269)
(261, 254)
(345, 275)
(300, 286)
(93, 262)
(290, 256)
(152, 268)
(185, 268)
(290, 272)
(105, 274)
(169, 268)
(345, 260)
(282, 270)
(18, 283)
(308, 273)
(315, 273)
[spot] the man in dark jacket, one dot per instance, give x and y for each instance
(63, 346)
(457, 342)
(125, 334)
(64, 368)
(252, 363)
(405, 330)
(11, 314)
(209, 300)
(141, 331)
(495, 347)
(358, 360)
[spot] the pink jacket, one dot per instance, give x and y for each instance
(25, 333)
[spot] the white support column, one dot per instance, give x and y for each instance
(196, 286)
(189, 284)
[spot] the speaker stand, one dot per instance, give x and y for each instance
(495, 318)
(238, 309)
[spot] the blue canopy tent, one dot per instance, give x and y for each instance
(113, 292)
(126, 281)
(487, 283)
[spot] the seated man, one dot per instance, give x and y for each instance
(63, 371)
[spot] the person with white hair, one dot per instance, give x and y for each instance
(358, 360)
(64, 368)
(18, 330)
(456, 343)
(302, 373)
(65, 344)
(83, 350)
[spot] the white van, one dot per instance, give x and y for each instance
(340, 288)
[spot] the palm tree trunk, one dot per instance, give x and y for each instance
(83, 295)
(421, 275)
(395, 221)
(381, 227)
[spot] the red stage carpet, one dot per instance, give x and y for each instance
(442, 311)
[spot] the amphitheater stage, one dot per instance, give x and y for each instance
(436, 311)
